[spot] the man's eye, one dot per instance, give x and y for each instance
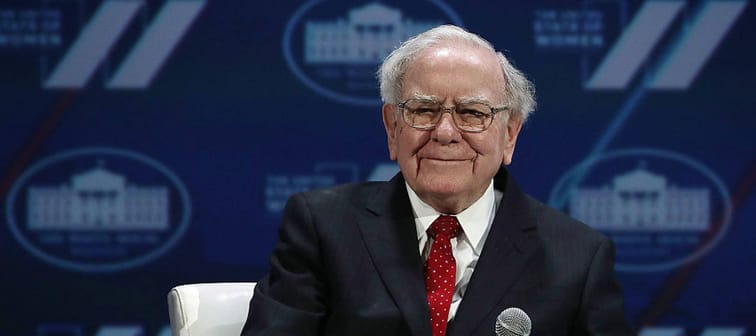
(424, 110)
(472, 113)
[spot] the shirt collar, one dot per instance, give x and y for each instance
(474, 220)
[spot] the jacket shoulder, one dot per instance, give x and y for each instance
(353, 193)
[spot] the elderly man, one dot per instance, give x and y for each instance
(451, 241)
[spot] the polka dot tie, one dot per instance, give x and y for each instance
(440, 272)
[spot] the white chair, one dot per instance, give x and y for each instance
(209, 309)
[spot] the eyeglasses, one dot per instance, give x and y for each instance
(425, 114)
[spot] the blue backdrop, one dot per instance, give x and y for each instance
(146, 144)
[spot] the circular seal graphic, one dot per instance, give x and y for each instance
(98, 209)
(335, 47)
(662, 209)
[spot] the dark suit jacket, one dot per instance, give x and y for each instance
(347, 263)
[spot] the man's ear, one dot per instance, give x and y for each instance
(514, 125)
(389, 123)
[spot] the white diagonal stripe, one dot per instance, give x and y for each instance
(93, 44)
(635, 44)
(731, 331)
(701, 39)
(157, 43)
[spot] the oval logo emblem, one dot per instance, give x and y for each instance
(662, 209)
(98, 209)
(335, 47)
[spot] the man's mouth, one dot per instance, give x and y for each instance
(445, 159)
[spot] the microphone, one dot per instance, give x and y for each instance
(513, 322)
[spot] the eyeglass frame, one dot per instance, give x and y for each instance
(451, 110)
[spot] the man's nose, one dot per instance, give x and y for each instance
(446, 132)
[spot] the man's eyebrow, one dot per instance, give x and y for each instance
(425, 97)
(460, 100)
(468, 100)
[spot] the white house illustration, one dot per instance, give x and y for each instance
(367, 35)
(97, 200)
(642, 201)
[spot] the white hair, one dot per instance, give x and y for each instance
(518, 91)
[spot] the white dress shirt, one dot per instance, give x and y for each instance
(475, 221)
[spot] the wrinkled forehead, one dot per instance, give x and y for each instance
(455, 70)
(447, 49)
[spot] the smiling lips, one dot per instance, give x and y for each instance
(450, 160)
(445, 156)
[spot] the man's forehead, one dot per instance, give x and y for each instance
(452, 48)
(474, 69)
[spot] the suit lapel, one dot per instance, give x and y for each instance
(510, 245)
(388, 230)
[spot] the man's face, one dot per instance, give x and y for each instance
(449, 169)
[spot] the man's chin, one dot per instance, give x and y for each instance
(441, 188)
(434, 170)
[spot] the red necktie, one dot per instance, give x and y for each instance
(440, 272)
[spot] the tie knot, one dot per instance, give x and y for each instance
(446, 225)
